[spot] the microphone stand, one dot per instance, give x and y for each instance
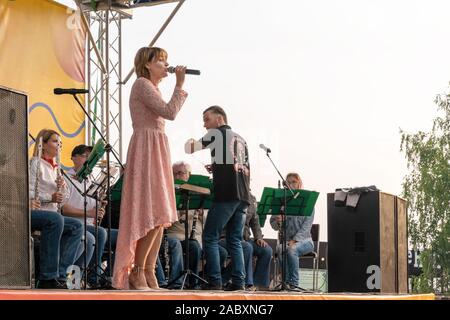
(95, 194)
(109, 149)
(283, 224)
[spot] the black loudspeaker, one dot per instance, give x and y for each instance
(367, 245)
(15, 262)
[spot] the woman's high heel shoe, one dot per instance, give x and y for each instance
(137, 279)
(150, 277)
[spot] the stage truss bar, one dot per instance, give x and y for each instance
(121, 5)
(105, 89)
(91, 40)
(152, 3)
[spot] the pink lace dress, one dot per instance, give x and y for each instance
(148, 195)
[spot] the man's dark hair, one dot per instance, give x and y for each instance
(217, 110)
(80, 149)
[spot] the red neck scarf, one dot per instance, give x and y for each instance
(51, 161)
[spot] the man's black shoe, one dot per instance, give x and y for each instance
(250, 287)
(233, 287)
(174, 287)
(50, 284)
(211, 286)
(101, 285)
(294, 288)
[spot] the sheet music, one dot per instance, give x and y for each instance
(100, 181)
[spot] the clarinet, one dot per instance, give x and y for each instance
(38, 170)
(102, 195)
(58, 172)
(194, 225)
(280, 232)
(166, 256)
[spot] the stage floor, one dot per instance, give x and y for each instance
(37, 294)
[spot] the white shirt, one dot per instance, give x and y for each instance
(47, 183)
(75, 199)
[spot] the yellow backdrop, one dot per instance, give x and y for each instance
(42, 48)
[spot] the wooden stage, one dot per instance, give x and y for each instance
(37, 294)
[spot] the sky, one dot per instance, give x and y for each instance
(326, 84)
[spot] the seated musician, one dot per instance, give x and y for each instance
(94, 210)
(176, 237)
(298, 237)
(60, 236)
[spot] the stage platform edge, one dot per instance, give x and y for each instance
(36, 294)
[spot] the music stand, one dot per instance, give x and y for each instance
(97, 190)
(81, 175)
(191, 195)
(276, 202)
(109, 149)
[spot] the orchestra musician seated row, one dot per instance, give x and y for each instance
(61, 243)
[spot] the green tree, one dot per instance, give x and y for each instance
(427, 189)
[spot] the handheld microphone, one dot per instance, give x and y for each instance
(265, 148)
(69, 91)
(188, 71)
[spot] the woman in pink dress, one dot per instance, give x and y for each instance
(148, 195)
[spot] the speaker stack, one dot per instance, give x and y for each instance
(15, 262)
(367, 245)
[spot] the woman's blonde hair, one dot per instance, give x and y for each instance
(145, 55)
(46, 134)
(296, 176)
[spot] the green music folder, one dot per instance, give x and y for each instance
(96, 154)
(196, 201)
(272, 201)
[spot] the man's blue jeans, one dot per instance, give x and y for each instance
(60, 239)
(102, 237)
(229, 216)
(261, 275)
(175, 255)
(195, 253)
(176, 262)
(247, 250)
(293, 253)
(90, 247)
